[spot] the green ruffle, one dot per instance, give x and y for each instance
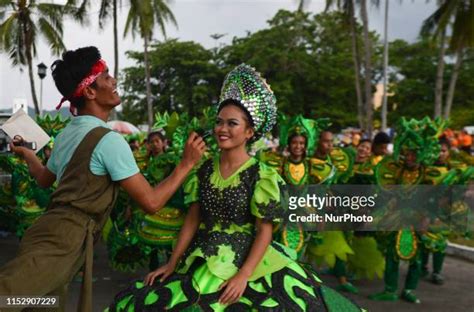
(191, 188)
(234, 180)
(333, 245)
(267, 192)
(367, 260)
(222, 266)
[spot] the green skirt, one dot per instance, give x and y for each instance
(292, 288)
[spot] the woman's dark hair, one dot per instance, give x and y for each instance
(294, 135)
(153, 134)
(69, 71)
(443, 140)
(242, 108)
(365, 140)
(381, 138)
(236, 103)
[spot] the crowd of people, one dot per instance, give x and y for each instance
(206, 215)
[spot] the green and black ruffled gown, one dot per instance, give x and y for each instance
(229, 208)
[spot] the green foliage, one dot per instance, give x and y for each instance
(305, 58)
(413, 74)
(459, 15)
(144, 15)
(52, 125)
(184, 79)
(22, 22)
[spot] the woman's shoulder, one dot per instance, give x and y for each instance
(205, 165)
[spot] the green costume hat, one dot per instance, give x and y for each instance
(309, 128)
(246, 86)
(177, 128)
(52, 125)
(420, 136)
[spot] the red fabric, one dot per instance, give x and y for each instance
(98, 68)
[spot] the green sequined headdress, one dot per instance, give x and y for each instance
(420, 136)
(309, 128)
(246, 86)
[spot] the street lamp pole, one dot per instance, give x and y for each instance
(41, 73)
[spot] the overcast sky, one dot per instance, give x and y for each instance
(197, 20)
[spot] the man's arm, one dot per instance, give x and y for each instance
(152, 199)
(42, 175)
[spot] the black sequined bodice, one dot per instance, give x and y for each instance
(228, 205)
(225, 214)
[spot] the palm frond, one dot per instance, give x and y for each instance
(437, 22)
(104, 12)
(77, 12)
(52, 36)
(5, 4)
(53, 14)
(144, 15)
(132, 17)
(463, 26)
(162, 9)
(9, 31)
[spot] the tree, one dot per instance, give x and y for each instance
(305, 58)
(367, 68)
(22, 24)
(385, 69)
(142, 18)
(187, 80)
(459, 13)
(302, 4)
(106, 6)
(347, 6)
(307, 61)
(414, 77)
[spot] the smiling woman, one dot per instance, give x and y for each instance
(225, 258)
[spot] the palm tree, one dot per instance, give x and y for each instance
(142, 18)
(104, 14)
(106, 6)
(440, 75)
(385, 69)
(459, 14)
(369, 109)
(21, 24)
(347, 6)
(302, 4)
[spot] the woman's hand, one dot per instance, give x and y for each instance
(234, 288)
(163, 272)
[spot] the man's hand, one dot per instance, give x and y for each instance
(42, 175)
(193, 150)
(16, 148)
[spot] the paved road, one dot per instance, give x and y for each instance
(456, 295)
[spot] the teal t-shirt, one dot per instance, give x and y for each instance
(112, 155)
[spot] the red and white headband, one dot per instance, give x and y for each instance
(98, 68)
